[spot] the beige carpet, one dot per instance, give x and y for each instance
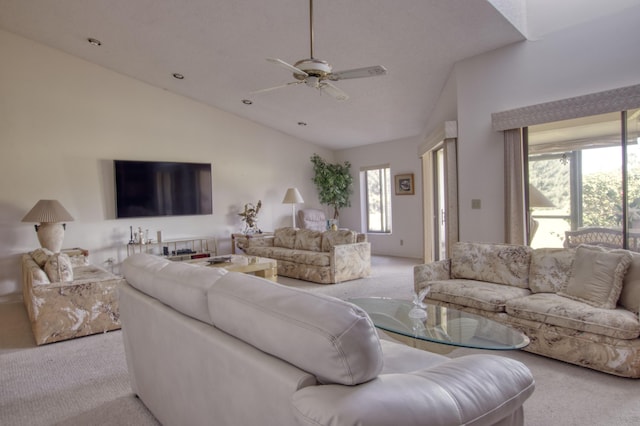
(84, 381)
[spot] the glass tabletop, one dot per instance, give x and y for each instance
(440, 324)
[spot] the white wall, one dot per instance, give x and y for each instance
(584, 59)
(63, 121)
(402, 157)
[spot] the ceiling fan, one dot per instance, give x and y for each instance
(318, 74)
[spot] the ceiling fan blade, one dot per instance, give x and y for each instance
(333, 91)
(358, 73)
(287, 66)
(268, 89)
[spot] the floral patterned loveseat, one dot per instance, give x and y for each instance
(579, 305)
(323, 257)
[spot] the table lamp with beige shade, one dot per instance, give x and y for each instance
(50, 214)
(537, 200)
(293, 197)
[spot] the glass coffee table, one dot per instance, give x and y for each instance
(440, 325)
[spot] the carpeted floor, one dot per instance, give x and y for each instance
(84, 381)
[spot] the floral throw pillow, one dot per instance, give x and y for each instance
(58, 268)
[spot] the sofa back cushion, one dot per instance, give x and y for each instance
(550, 269)
(337, 237)
(40, 256)
(58, 268)
(30, 267)
(284, 237)
(307, 239)
(325, 336)
(180, 285)
(496, 263)
(596, 276)
(630, 295)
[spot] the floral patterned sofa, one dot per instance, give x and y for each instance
(66, 296)
(327, 257)
(579, 305)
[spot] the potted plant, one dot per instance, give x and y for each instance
(334, 183)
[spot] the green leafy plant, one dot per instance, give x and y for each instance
(334, 183)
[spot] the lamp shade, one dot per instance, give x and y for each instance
(537, 200)
(292, 197)
(48, 211)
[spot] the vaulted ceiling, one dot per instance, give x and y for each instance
(221, 46)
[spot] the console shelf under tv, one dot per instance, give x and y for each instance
(178, 250)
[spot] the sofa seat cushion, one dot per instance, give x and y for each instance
(476, 294)
(90, 273)
(550, 269)
(332, 339)
(495, 263)
(182, 286)
(303, 257)
(556, 310)
(312, 258)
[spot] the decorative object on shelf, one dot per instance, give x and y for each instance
(404, 184)
(50, 214)
(131, 240)
(293, 197)
(334, 183)
(250, 217)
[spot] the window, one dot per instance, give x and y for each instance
(584, 181)
(377, 183)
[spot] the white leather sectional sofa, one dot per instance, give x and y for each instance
(206, 346)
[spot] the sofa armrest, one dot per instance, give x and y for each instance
(350, 261)
(259, 241)
(434, 271)
(474, 389)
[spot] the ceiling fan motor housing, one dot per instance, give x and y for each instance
(313, 67)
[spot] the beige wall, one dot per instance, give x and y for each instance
(63, 121)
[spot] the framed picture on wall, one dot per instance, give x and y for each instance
(404, 184)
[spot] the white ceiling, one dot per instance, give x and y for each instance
(220, 47)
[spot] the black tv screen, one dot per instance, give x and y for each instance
(160, 188)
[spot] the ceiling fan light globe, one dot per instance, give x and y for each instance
(314, 67)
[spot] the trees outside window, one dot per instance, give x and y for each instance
(588, 170)
(378, 199)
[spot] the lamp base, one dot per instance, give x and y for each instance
(51, 235)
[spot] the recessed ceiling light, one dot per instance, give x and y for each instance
(94, 41)
(247, 101)
(302, 123)
(178, 76)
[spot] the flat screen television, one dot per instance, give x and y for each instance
(162, 188)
